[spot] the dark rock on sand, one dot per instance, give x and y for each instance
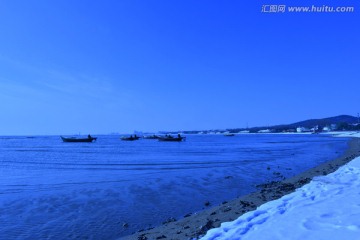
(244, 203)
(187, 215)
(169, 220)
(206, 227)
(142, 237)
(287, 187)
(161, 237)
(304, 181)
(227, 209)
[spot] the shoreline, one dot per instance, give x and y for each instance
(199, 223)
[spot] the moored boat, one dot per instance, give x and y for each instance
(151, 137)
(169, 138)
(229, 134)
(75, 139)
(131, 138)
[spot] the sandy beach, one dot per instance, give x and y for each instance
(197, 224)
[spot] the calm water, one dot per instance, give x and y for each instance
(55, 190)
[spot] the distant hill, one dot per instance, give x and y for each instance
(325, 121)
(343, 120)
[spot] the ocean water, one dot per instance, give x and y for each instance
(55, 190)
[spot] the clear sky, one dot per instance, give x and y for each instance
(118, 66)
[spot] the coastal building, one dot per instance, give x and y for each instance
(289, 130)
(244, 131)
(264, 131)
(302, 129)
(316, 129)
(327, 129)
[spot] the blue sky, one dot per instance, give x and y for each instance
(118, 66)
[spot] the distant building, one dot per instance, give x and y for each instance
(289, 130)
(264, 131)
(244, 131)
(316, 129)
(327, 129)
(331, 127)
(302, 129)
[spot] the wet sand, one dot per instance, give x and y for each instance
(197, 224)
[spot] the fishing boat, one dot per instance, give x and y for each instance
(75, 139)
(151, 137)
(169, 138)
(131, 138)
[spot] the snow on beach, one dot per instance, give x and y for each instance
(326, 208)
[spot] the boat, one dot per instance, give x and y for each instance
(75, 139)
(151, 137)
(169, 138)
(229, 134)
(131, 138)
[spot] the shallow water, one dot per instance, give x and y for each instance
(55, 190)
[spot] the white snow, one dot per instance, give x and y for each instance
(326, 208)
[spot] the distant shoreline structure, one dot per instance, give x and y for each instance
(331, 124)
(337, 123)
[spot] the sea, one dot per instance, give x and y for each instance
(112, 188)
